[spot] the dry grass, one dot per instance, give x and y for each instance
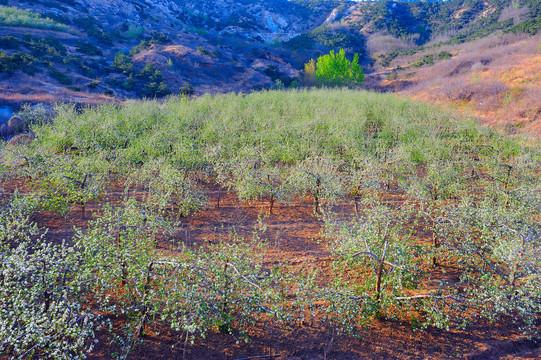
(378, 44)
(511, 12)
(497, 79)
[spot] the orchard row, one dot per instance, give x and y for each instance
(428, 190)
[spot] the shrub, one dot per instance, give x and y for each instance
(204, 51)
(132, 31)
(44, 46)
(88, 48)
(60, 76)
(41, 299)
(123, 64)
(142, 46)
(93, 84)
(17, 61)
(153, 80)
(186, 89)
(156, 89)
(427, 59)
(94, 29)
(9, 42)
(444, 55)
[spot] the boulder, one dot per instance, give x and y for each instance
(21, 139)
(16, 124)
(4, 130)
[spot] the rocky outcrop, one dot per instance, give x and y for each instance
(215, 45)
(264, 21)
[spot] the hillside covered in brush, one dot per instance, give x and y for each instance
(92, 51)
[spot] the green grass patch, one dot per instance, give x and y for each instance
(12, 16)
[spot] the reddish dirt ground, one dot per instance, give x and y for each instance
(292, 237)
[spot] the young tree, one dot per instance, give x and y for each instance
(254, 177)
(500, 247)
(310, 72)
(319, 177)
(222, 287)
(118, 253)
(336, 70)
(42, 306)
(166, 187)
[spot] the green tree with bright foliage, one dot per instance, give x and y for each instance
(336, 70)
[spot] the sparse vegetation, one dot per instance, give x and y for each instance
(9, 42)
(60, 76)
(18, 61)
(88, 48)
(93, 29)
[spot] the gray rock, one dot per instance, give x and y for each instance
(16, 124)
(21, 139)
(4, 130)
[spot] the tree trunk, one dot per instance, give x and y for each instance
(225, 325)
(271, 204)
(356, 200)
(435, 243)
(380, 272)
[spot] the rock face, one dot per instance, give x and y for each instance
(254, 20)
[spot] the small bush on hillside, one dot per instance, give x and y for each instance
(93, 84)
(155, 38)
(153, 79)
(18, 61)
(186, 89)
(94, 29)
(444, 55)
(143, 45)
(60, 76)
(427, 59)
(131, 31)
(156, 89)
(88, 48)
(40, 47)
(9, 42)
(123, 64)
(204, 51)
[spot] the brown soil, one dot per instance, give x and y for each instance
(293, 238)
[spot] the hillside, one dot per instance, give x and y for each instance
(94, 51)
(215, 46)
(495, 79)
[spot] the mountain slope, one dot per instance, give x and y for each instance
(91, 51)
